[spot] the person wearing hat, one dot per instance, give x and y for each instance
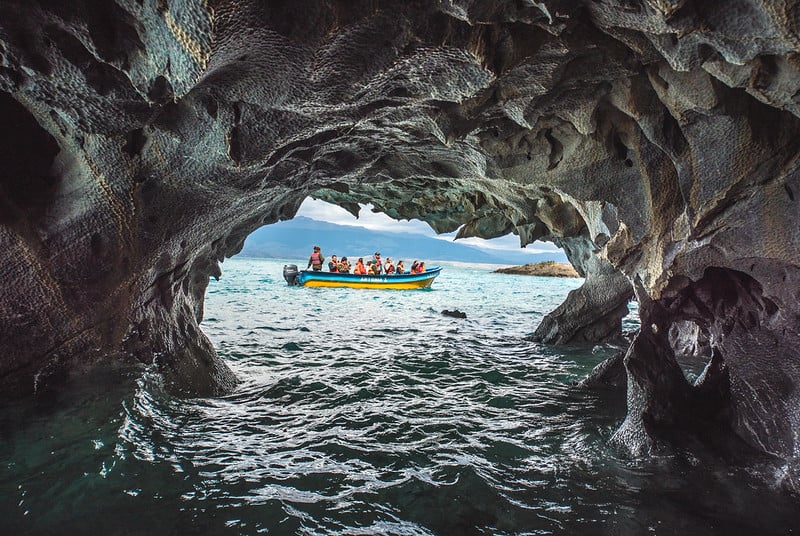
(316, 260)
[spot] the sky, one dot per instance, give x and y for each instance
(376, 221)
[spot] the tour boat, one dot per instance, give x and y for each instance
(310, 278)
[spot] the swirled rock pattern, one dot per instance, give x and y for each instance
(656, 140)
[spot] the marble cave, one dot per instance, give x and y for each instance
(657, 142)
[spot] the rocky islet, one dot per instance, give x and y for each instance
(543, 269)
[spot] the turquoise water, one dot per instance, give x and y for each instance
(365, 412)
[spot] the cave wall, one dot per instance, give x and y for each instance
(655, 140)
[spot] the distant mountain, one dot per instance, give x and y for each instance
(294, 239)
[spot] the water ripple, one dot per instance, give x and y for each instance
(365, 412)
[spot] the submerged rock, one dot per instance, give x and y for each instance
(657, 143)
(455, 313)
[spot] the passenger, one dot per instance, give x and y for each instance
(421, 268)
(344, 266)
(359, 268)
(388, 267)
(377, 260)
(375, 269)
(316, 260)
(399, 269)
(333, 266)
(413, 269)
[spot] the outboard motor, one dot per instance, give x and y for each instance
(290, 274)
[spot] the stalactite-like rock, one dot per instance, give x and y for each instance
(594, 311)
(143, 140)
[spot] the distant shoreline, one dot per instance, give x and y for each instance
(541, 269)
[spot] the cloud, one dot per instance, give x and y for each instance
(376, 221)
(504, 243)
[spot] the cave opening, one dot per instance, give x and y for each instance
(602, 329)
(733, 391)
(340, 233)
(691, 345)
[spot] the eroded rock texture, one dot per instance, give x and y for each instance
(655, 140)
(594, 311)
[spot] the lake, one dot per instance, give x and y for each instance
(366, 412)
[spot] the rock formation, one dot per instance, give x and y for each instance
(655, 140)
(541, 269)
(594, 311)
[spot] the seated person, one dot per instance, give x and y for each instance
(388, 267)
(333, 266)
(376, 259)
(360, 269)
(400, 269)
(421, 268)
(413, 269)
(344, 266)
